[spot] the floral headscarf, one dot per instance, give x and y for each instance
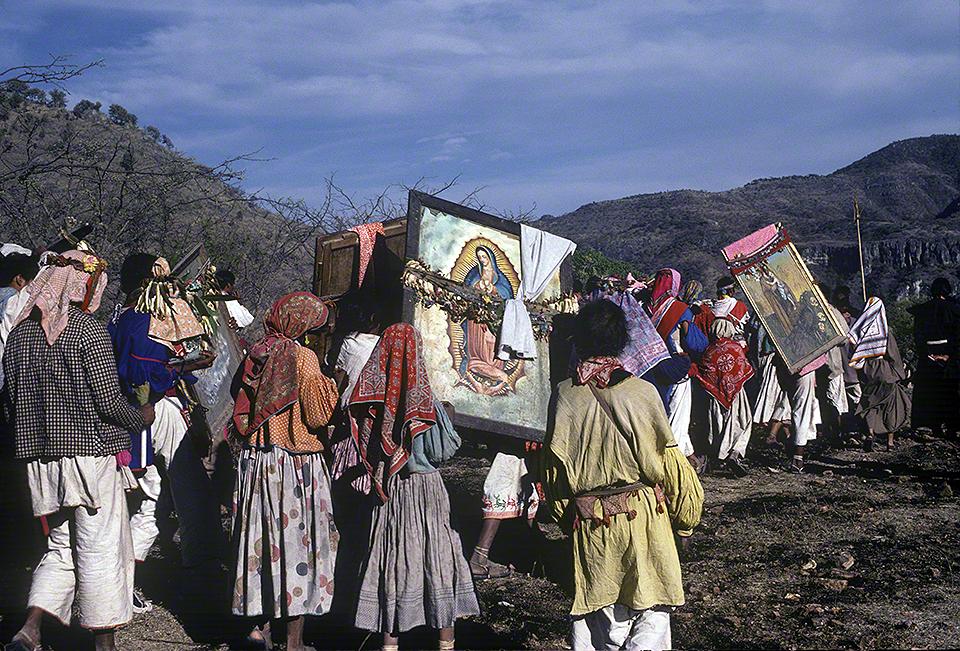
(269, 380)
(75, 277)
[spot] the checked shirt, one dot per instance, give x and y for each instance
(65, 398)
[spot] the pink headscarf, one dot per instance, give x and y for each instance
(667, 283)
(74, 277)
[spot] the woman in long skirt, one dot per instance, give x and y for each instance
(284, 531)
(415, 573)
(885, 404)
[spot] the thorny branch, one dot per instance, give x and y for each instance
(54, 73)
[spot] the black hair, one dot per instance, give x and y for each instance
(357, 312)
(225, 278)
(841, 295)
(600, 330)
(136, 268)
(940, 288)
(593, 283)
(18, 264)
(724, 282)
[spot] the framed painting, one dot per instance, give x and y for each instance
(480, 251)
(213, 384)
(785, 296)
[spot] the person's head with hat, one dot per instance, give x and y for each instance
(726, 287)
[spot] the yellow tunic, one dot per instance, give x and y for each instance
(631, 562)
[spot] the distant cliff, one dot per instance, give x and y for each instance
(909, 194)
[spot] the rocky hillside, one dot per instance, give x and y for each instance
(909, 194)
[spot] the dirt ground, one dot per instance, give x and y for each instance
(861, 552)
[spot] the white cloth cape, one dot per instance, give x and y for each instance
(239, 313)
(354, 353)
(541, 254)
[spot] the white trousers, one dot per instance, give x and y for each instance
(617, 627)
(730, 429)
(678, 411)
(772, 403)
(189, 487)
(89, 559)
(837, 395)
(854, 393)
(805, 407)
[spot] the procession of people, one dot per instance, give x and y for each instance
(338, 499)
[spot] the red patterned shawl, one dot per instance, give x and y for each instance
(367, 234)
(393, 402)
(598, 369)
(723, 370)
(269, 380)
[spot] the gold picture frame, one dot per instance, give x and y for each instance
(785, 296)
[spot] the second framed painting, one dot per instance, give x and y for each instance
(784, 295)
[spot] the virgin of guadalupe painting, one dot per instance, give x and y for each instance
(480, 251)
(483, 266)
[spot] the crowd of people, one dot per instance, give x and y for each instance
(338, 502)
(720, 372)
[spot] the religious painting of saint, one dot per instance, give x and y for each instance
(481, 251)
(483, 266)
(782, 293)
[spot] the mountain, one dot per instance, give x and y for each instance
(909, 196)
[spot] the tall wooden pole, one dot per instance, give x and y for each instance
(863, 274)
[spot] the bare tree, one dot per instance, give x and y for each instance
(55, 72)
(59, 169)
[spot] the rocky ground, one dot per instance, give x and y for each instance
(861, 552)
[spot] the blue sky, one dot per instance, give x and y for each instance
(545, 104)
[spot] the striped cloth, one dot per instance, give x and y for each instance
(868, 335)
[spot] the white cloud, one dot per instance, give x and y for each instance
(530, 96)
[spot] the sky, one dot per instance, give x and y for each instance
(538, 106)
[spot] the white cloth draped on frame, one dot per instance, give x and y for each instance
(541, 254)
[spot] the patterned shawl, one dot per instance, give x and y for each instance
(367, 234)
(598, 369)
(868, 335)
(269, 372)
(74, 277)
(391, 404)
(691, 292)
(723, 369)
(645, 348)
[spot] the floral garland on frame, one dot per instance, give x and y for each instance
(159, 292)
(465, 303)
